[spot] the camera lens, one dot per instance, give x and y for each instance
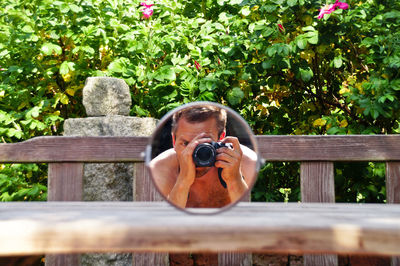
(204, 155)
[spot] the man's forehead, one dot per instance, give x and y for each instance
(186, 129)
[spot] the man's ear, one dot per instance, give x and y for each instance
(173, 140)
(223, 135)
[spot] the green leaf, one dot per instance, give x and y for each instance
(50, 48)
(306, 74)
(301, 42)
(27, 29)
(235, 96)
(337, 62)
(165, 73)
(66, 67)
(245, 11)
(291, 2)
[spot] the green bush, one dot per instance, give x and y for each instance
(283, 69)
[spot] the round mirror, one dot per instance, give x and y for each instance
(203, 157)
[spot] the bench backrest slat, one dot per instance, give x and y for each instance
(75, 149)
(65, 181)
(317, 182)
(330, 148)
(272, 148)
(393, 182)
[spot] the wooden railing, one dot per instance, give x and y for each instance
(326, 232)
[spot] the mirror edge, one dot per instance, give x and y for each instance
(248, 130)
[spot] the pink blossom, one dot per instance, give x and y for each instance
(147, 13)
(198, 66)
(148, 10)
(146, 5)
(327, 9)
(281, 28)
(341, 5)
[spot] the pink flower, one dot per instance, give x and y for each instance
(281, 28)
(198, 66)
(341, 5)
(327, 9)
(146, 5)
(147, 13)
(148, 10)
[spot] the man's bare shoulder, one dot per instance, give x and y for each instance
(249, 164)
(164, 169)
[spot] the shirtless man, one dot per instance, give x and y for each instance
(187, 185)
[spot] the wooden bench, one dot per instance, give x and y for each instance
(309, 227)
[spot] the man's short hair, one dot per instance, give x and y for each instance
(201, 113)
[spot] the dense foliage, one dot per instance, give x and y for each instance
(283, 69)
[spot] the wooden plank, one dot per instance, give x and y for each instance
(74, 149)
(318, 185)
(144, 190)
(393, 192)
(330, 148)
(65, 181)
(62, 260)
(231, 258)
(272, 148)
(317, 182)
(320, 260)
(79, 227)
(393, 182)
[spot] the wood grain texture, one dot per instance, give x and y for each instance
(79, 227)
(393, 191)
(317, 182)
(393, 182)
(144, 259)
(330, 148)
(318, 185)
(271, 148)
(65, 181)
(74, 149)
(231, 258)
(320, 260)
(145, 190)
(62, 260)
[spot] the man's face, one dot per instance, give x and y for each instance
(187, 131)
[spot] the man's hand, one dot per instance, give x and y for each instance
(187, 170)
(230, 160)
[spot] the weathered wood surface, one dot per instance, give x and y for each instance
(65, 182)
(272, 148)
(75, 149)
(330, 148)
(70, 227)
(318, 185)
(317, 182)
(393, 182)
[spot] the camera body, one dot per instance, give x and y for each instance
(204, 155)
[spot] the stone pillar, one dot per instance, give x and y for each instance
(107, 102)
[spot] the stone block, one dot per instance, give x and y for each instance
(104, 96)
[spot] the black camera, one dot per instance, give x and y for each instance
(205, 153)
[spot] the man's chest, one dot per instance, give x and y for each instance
(208, 194)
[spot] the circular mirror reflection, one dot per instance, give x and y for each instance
(203, 155)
